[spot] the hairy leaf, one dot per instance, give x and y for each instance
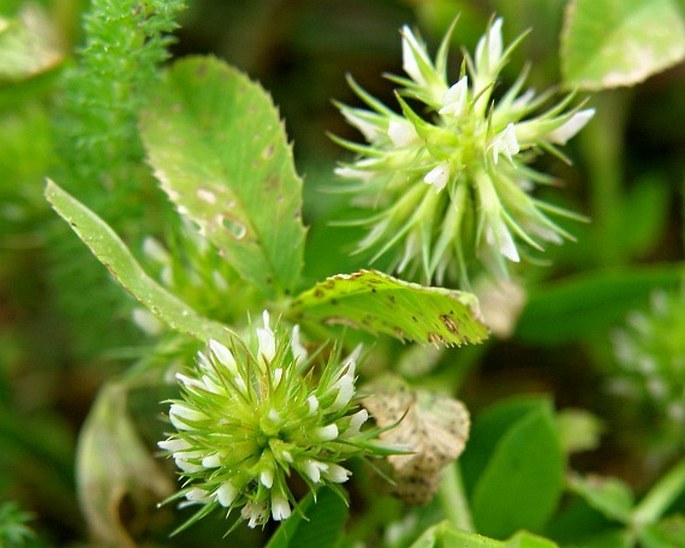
(378, 303)
(113, 253)
(610, 43)
(221, 154)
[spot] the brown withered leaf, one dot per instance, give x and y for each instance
(433, 427)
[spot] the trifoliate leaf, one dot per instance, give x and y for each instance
(610, 43)
(220, 152)
(432, 426)
(113, 253)
(378, 303)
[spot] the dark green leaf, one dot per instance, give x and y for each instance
(523, 480)
(486, 432)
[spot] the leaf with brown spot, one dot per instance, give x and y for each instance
(378, 303)
(434, 427)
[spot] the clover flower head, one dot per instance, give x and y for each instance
(252, 414)
(650, 354)
(452, 189)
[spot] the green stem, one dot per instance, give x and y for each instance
(453, 501)
(660, 497)
(602, 148)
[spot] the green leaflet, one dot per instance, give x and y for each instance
(319, 522)
(444, 535)
(514, 467)
(610, 43)
(378, 303)
(221, 154)
(114, 254)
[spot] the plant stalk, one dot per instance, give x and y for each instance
(453, 500)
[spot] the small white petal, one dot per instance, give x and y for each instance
(182, 462)
(370, 131)
(401, 133)
(337, 474)
(211, 386)
(212, 461)
(278, 375)
(203, 361)
(299, 351)
(287, 457)
(226, 494)
(280, 509)
(274, 416)
(255, 514)
(356, 421)
(493, 40)
(267, 341)
(240, 383)
(197, 495)
(501, 237)
(345, 387)
(438, 176)
(327, 433)
(180, 415)
(266, 477)
(313, 404)
(455, 98)
(411, 51)
(223, 355)
(505, 143)
(313, 469)
(567, 130)
(173, 445)
(189, 382)
(351, 173)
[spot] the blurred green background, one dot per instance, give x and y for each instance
(58, 345)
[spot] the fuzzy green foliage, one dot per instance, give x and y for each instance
(102, 93)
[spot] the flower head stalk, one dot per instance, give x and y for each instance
(453, 189)
(253, 414)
